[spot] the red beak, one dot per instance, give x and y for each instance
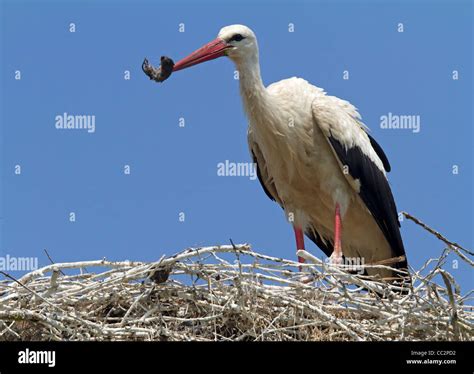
(210, 51)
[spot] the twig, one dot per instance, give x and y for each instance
(51, 260)
(436, 233)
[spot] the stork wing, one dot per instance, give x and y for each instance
(262, 173)
(366, 162)
(378, 149)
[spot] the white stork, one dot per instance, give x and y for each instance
(314, 158)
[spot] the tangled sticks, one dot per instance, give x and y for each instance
(161, 73)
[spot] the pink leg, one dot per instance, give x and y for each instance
(299, 241)
(336, 256)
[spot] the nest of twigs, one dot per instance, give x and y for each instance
(230, 292)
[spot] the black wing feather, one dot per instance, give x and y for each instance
(383, 157)
(374, 191)
(259, 175)
(326, 246)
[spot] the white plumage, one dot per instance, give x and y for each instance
(314, 157)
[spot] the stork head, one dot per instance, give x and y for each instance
(237, 42)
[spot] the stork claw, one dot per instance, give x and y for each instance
(336, 258)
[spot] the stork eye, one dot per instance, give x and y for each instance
(236, 37)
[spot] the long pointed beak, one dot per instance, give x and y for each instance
(210, 51)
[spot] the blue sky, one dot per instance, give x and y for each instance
(174, 169)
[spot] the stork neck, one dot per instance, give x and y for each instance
(252, 90)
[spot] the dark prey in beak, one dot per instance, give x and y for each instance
(161, 73)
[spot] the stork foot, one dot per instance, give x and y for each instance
(336, 258)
